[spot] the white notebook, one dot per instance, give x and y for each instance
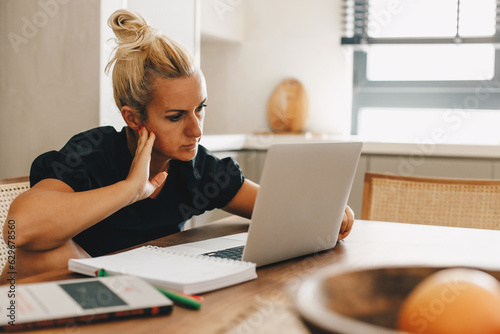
(170, 269)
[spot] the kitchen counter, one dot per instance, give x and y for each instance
(238, 142)
(469, 161)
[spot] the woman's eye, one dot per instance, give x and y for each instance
(200, 108)
(175, 118)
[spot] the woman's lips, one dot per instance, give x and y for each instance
(190, 146)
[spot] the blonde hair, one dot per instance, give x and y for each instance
(143, 54)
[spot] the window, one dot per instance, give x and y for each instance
(430, 62)
(425, 67)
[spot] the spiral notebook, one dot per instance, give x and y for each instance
(170, 269)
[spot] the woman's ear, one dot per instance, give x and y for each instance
(131, 118)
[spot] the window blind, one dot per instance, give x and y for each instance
(363, 21)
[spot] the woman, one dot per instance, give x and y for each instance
(107, 190)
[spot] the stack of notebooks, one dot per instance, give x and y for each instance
(170, 269)
(127, 292)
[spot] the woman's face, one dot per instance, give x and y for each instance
(176, 114)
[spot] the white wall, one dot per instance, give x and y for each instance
(52, 81)
(49, 72)
(282, 39)
(222, 20)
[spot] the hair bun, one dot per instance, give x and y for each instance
(131, 30)
(143, 54)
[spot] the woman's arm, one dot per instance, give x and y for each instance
(50, 214)
(243, 202)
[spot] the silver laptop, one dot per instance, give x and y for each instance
(300, 204)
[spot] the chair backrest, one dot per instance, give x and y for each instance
(432, 201)
(9, 189)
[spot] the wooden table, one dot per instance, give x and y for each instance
(263, 305)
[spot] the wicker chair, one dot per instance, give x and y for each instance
(432, 201)
(9, 189)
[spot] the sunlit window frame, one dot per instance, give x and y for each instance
(466, 95)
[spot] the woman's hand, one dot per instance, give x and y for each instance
(347, 222)
(41, 213)
(138, 175)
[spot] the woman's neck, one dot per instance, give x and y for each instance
(158, 162)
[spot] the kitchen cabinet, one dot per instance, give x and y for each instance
(433, 166)
(252, 163)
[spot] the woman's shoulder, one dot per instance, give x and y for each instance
(93, 152)
(97, 145)
(104, 139)
(96, 137)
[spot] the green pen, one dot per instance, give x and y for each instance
(190, 301)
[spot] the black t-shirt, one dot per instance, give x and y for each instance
(100, 157)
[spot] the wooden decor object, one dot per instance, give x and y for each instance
(288, 107)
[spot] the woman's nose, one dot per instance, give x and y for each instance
(194, 127)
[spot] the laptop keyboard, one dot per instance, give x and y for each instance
(234, 253)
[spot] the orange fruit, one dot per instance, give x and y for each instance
(457, 301)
